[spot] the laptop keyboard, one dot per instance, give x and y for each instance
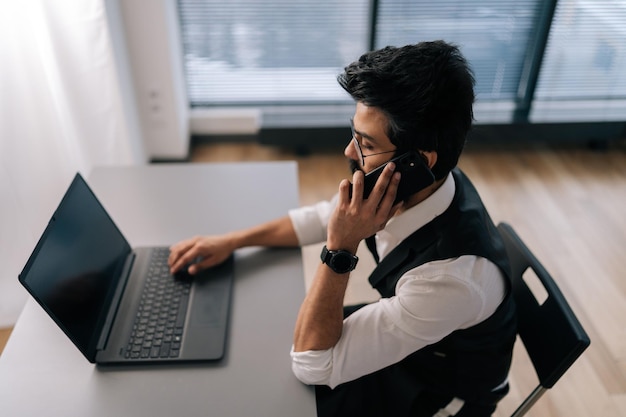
(158, 327)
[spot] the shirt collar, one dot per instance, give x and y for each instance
(403, 225)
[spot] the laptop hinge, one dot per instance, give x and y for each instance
(115, 302)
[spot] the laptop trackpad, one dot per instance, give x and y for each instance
(207, 322)
(205, 334)
(208, 308)
(210, 296)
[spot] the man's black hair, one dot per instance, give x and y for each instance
(426, 91)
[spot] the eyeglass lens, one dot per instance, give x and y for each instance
(357, 146)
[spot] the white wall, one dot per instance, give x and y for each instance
(64, 107)
(154, 45)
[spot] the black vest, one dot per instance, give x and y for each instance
(468, 363)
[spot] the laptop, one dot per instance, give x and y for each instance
(114, 301)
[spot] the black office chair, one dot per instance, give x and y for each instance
(550, 332)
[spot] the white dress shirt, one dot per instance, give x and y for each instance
(431, 301)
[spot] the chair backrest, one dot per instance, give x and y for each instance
(549, 331)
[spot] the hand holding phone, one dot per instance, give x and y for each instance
(415, 175)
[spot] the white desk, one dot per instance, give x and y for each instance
(43, 374)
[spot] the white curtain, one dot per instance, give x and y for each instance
(62, 110)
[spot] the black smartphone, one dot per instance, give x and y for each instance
(415, 175)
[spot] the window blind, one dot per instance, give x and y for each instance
(281, 55)
(494, 36)
(582, 74)
(249, 52)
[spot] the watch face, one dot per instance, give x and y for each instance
(339, 261)
(342, 262)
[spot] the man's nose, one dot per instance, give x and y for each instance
(349, 151)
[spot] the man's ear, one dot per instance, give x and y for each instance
(430, 158)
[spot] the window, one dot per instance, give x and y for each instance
(249, 52)
(286, 54)
(582, 74)
(494, 36)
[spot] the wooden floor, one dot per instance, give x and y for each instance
(4, 336)
(568, 204)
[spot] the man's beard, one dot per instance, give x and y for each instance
(354, 166)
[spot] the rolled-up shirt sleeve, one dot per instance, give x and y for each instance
(312, 367)
(310, 222)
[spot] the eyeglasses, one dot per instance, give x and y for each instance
(357, 145)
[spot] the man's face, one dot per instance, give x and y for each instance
(370, 127)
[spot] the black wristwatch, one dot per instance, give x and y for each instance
(340, 261)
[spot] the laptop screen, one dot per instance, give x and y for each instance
(76, 266)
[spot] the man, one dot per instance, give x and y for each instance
(440, 338)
